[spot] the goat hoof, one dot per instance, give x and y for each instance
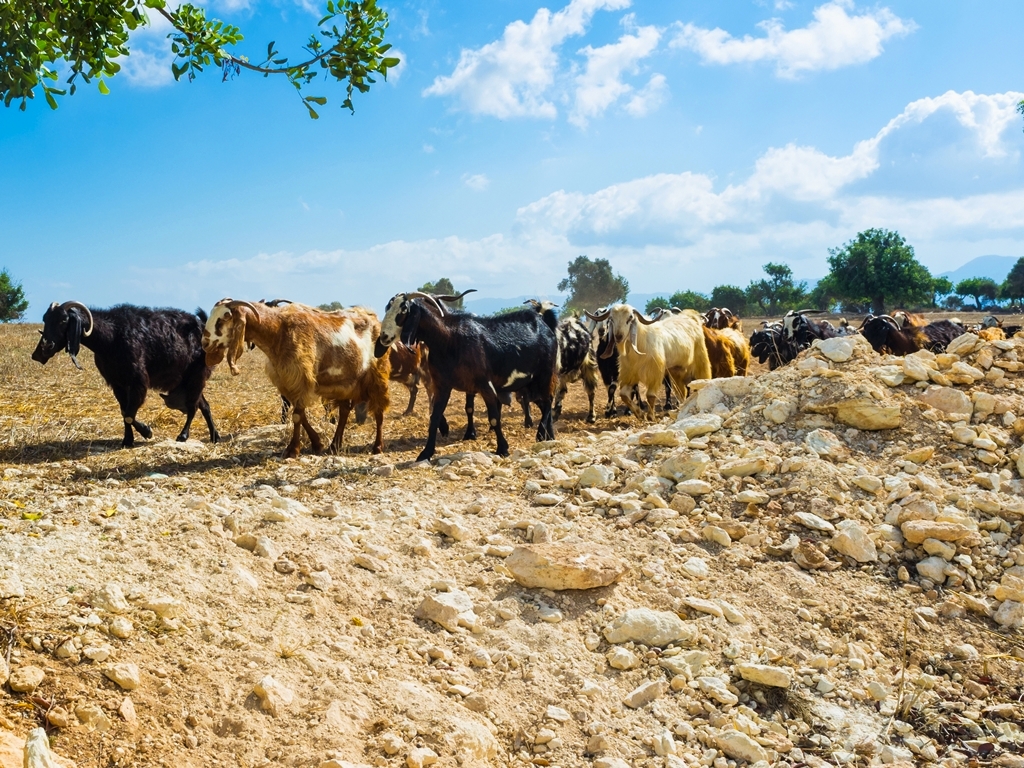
(215, 437)
(377, 449)
(181, 438)
(470, 435)
(591, 418)
(424, 456)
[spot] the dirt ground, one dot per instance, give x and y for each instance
(220, 551)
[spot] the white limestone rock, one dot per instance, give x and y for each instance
(652, 628)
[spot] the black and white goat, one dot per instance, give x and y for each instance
(575, 360)
(771, 345)
(493, 356)
(803, 330)
(136, 349)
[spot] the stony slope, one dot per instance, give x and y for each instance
(783, 581)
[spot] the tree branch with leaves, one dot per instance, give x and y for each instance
(89, 37)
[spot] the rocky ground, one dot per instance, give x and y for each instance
(817, 566)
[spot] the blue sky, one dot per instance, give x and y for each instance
(688, 143)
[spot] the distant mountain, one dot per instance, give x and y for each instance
(994, 267)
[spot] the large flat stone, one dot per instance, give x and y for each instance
(563, 566)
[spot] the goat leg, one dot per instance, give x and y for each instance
(204, 408)
(525, 403)
(413, 389)
(189, 415)
(344, 407)
(378, 442)
(626, 392)
(609, 411)
(546, 429)
(441, 397)
(314, 437)
(494, 417)
(470, 426)
(285, 407)
(293, 447)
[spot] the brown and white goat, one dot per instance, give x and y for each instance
(311, 355)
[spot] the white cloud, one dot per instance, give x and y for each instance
(478, 182)
(685, 205)
(148, 66)
(648, 98)
(600, 85)
(834, 39)
(396, 72)
(428, 148)
(511, 77)
(671, 230)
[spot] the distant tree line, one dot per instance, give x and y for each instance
(875, 272)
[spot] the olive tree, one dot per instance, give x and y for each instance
(879, 267)
(592, 284)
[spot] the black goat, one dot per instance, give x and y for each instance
(771, 345)
(136, 349)
(886, 336)
(492, 356)
(575, 361)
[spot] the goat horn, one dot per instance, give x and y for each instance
(599, 316)
(811, 312)
(277, 302)
(727, 311)
(239, 303)
(428, 297)
(457, 297)
(642, 318)
(888, 319)
(79, 305)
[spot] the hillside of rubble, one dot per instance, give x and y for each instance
(820, 565)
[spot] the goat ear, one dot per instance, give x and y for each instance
(74, 337)
(411, 324)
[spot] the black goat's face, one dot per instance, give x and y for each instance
(62, 329)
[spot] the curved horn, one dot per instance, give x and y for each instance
(81, 306)
(642, 318)
(533, 303)
(239, 303)
(811, 312)
(889, 320)
(657, 313)
(428, 297)
(727, 311)
(278, 302)
(599, 316)
(456, 298)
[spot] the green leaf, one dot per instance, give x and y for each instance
(49, 100)
(270, 49)
(389, 63)
(312, 112)
(321, 100)
(103, 88)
